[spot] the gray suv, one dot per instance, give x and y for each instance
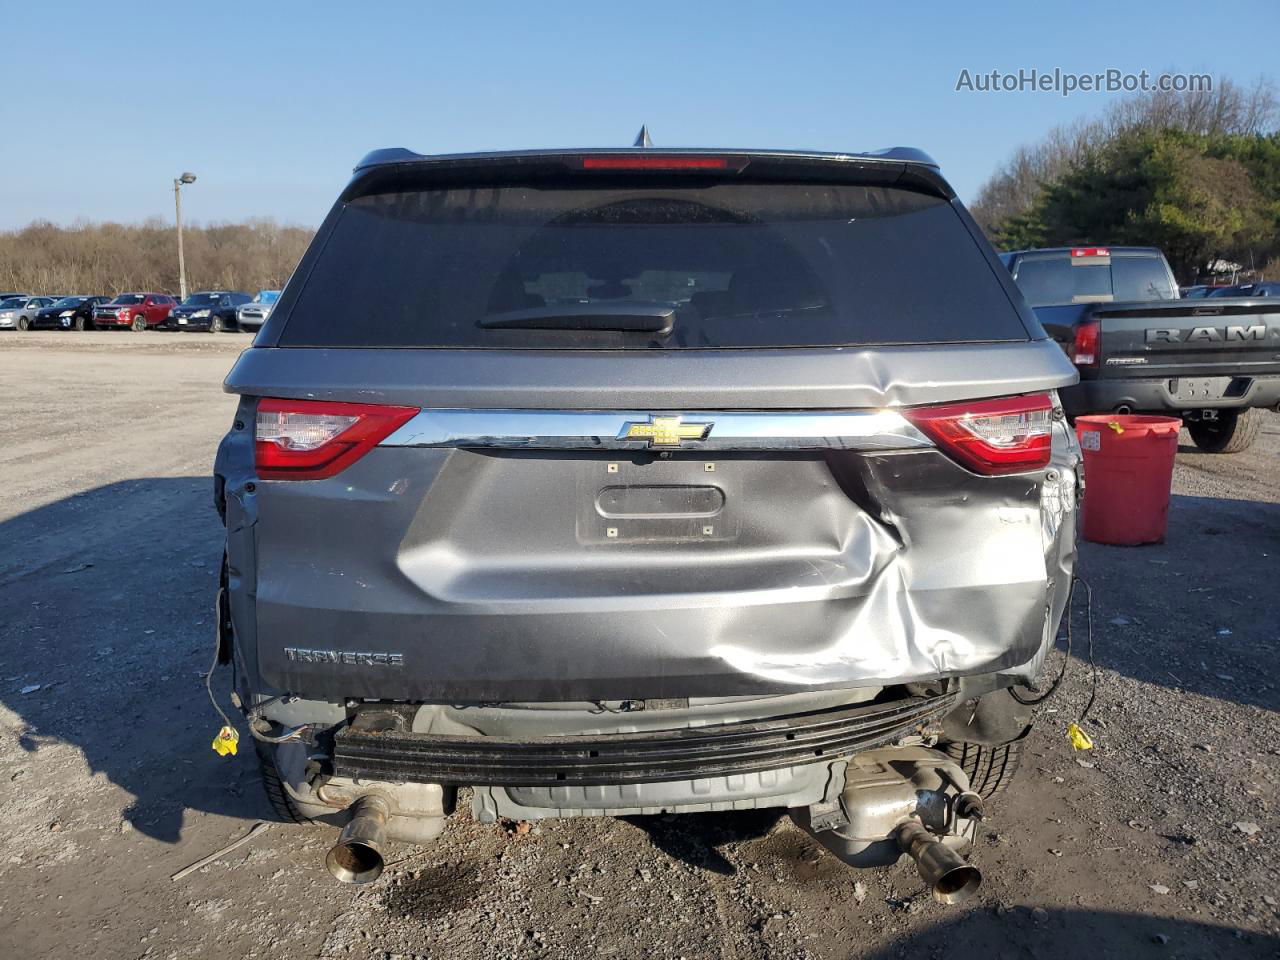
(646, 481)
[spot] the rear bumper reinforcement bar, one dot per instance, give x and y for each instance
(602, 759)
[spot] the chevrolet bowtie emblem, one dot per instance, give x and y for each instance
(665, 431)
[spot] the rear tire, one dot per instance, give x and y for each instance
(1232, 432)
(990, 769)
(281, 803)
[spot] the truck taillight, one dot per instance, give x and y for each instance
(1084, 346)
(1008, 435)
(314, 439)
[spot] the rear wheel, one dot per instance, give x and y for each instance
(1231, 432)
(139, 324)
(990, 769)
(277, 796)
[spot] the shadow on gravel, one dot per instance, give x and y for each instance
(105, 609)
(693, 838)
(1019, 932)
(1194, 613)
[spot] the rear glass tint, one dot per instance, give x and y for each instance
(1049, 279)
(736, 265)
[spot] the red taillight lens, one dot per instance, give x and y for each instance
(1084, 347)
(1009, 435)
(314, 439)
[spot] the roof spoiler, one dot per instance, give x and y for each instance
(389, 168)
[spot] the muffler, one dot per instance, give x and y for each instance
(903, 800)
(949, 876)
(357, 856)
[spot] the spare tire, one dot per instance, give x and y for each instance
(1232, 431)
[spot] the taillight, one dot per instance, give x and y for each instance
(1084, 346)
(314, 439)
(1009, 435)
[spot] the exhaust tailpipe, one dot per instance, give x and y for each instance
(357, 856)
(1123, 409)
(948, 875)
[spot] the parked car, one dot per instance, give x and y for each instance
(1198, 291)
(252, 315)
(213, 311)
(137, 311)
(16, 313)
(69, 313)
(10, 294)
(9, 308)
(1261, 289)
(1139, 348)
(546, 524)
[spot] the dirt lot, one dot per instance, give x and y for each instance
(1159, 843)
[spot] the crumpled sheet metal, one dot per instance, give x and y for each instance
(890, 634)
(894, 631)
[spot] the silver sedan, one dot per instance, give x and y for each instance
(17, 312)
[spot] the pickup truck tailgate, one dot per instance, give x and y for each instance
(1188, 338)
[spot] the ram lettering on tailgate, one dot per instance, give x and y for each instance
(1256, 331)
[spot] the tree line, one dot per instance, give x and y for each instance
(1196, 174)
(111, 258)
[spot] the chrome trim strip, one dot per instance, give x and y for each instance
(599, 430)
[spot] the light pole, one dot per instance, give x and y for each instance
(177, 209)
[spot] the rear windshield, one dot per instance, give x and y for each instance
(1057, 278)
(730, 265)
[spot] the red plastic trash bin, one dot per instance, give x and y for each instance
(1128, 469)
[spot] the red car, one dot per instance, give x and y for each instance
(138, 311)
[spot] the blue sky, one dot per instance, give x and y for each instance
(272, 103)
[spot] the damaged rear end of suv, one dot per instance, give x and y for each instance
(624, 482)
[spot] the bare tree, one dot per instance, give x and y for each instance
(110, 258)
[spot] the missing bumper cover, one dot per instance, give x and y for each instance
(633, 757)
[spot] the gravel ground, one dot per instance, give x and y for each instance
(1158, 843)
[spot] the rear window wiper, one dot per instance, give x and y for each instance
(626, 317)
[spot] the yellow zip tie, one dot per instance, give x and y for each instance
(1079, 739)
(227, 741)
(1116, 426)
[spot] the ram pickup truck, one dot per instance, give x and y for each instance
(1214, 362)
